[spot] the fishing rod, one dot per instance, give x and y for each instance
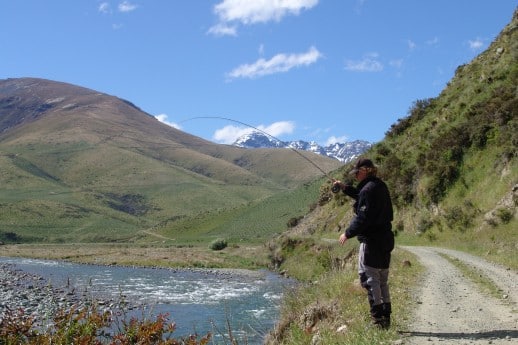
(261, 131)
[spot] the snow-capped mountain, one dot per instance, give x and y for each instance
(344, 152)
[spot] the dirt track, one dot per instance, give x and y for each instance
(450, 309)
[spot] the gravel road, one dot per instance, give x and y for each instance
(450, 309)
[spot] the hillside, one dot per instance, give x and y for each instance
(451, 163)
(80, 165)
(451, 167)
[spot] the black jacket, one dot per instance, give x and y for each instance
(372, 222)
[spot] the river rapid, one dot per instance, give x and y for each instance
(197, 300)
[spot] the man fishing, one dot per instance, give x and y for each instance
(372, 225)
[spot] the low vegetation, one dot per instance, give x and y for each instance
(333, 309)
(90, 326)
(218, 244)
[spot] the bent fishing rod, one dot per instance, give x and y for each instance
(265, 133)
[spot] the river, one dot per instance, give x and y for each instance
(198, 301)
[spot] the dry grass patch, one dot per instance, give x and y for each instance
(249, 256)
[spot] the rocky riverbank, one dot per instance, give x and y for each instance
(29, 295)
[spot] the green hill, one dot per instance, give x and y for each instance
(451, 167)
(452, 161)
(450, 164)
(79, 165)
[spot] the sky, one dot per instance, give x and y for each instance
(316, 70)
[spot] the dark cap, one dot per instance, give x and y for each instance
(362, 162)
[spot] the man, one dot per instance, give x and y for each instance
(372, 225)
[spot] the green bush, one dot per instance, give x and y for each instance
(460, 217)
(9, 236)
(218, 244)
(505, 215)
(424, 224)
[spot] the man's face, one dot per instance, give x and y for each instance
(361, 174)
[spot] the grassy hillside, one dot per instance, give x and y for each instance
(451, 166)
(451, 163)
(459, 180)
(81, 166)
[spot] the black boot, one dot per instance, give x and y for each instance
(377, 315)
(387, 310)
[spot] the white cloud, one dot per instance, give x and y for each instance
(127, 6)
(476, 44)
(163, 118)
(397, 63)
(229, 134)
(433, 42)
(258, 11)
(369, 63)
(411, 45)
(223, 29)
(278, 128)
(333, 140)
(104, 8)
(277, 64)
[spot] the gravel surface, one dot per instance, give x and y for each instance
(33, 296)
(450, 309)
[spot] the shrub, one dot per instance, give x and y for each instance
(88, 326)
(424, 224)
(218, 244)
(9, 236)
(505, 215)
(460, 217)
(292, 222)
(431, 236)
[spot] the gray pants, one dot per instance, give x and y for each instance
(375, 280)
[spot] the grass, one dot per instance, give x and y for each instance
(336, 301)
(254, 222)
(149, 255)
(461, 222)
(186, 211)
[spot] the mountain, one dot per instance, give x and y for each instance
(81, 165)
(343, 152)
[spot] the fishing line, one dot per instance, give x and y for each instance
(260, 130)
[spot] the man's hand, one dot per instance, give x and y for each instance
(337, 186)
(342, 239)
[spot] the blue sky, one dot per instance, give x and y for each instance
(316, 70)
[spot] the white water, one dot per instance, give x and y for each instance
(198, 301)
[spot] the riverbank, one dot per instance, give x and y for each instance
(193, 297)
(32, 296)
(245, 256)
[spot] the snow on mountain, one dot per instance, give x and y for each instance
(344, 152)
